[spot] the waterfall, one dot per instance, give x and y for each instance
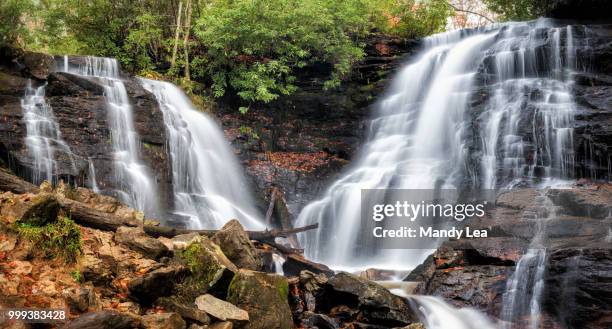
(524, 288)
(208, 185)
(434, 313)
(134, 183)
(279, 261)
(43, 137)
(482, 109)
(93, 184)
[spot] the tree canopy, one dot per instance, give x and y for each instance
(249, 47)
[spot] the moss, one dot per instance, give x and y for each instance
(76, 276)
(204, 272)
(283, 289)
(61, 238)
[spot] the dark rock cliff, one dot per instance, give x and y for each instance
(300, 142)
(80, 109)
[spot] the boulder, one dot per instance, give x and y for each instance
(189, 312)
(81, 299)
(211, 271)
(236, 245)
(155, 284)
(41, 210)
(182, 241)
(163, 321)
(220, 309)
(264, 297)
(104, 320)
(312, 286)
(136, 239)
(378, 305)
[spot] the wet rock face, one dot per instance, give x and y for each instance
(476, 272)
(575, 294)
(79, 106)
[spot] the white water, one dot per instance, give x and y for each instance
(134, 183)
(279, 261)
(407, 148)
(209, 187)
(93, 184)
(525, 287)
(435, 313)
(43, 137)
(426, 134)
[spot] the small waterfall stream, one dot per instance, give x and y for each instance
(44, 139)
(209, 187)
(435, 313)
(134, 183)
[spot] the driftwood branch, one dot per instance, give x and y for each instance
(268, 219)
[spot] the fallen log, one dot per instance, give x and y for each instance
(10, 182)
(84, 215)
(169, 232)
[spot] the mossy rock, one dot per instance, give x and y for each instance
(211, 271)
(61, 238)
(264, 297)
(42, 210)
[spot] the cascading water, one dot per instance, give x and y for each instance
(209, 187)
(278, 261)
(43, 140)
(134, 183)
(92, 176)
(434, 313)
(524, 288)
(488, 108)
(406, 148)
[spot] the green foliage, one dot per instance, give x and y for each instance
(143, 42)
(61, 238)
(76, 276)
(250, 48)
(191, 257)
(516, 10)
(411, 18)
(13, 31)
(257, 56)
(249, 132)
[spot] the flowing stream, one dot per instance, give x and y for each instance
(134, 182)
(209, 187)
(43, 139)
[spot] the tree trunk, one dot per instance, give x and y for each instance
(12, 183)
(176, 35)
(186, 38)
